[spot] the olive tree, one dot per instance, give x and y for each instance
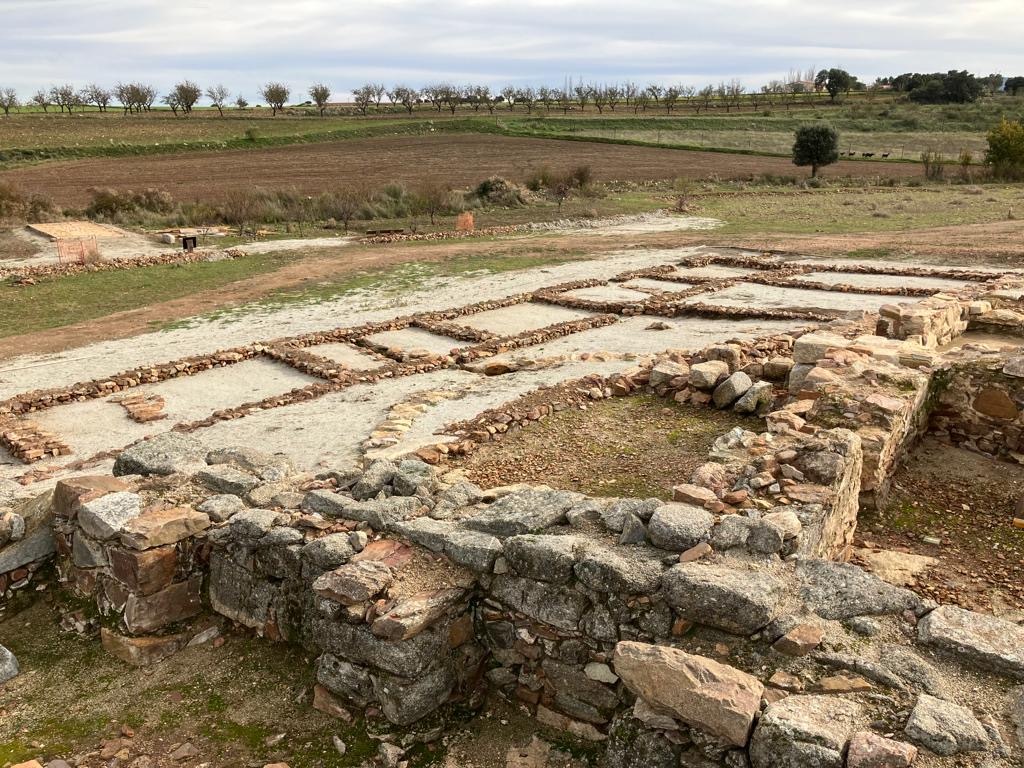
(815, 145)
(364, 96)
(275, 94)
(320, 94)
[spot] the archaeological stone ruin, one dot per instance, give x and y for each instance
(723, 627)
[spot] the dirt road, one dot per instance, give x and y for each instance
(461, 160)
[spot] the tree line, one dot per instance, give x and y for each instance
(138, 97)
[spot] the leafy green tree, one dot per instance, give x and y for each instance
(815, 145)
(838, 81)
(320, 94)
(1005, 153)
(1013, 85)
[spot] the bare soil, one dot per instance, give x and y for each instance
(461, 160)
(967, 500)
(632, 446)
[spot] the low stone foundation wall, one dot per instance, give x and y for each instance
(979, 405)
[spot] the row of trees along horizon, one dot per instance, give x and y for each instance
(952, 87)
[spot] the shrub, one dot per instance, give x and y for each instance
(934, 165)
(1005, 155)
(16, 206)
(500, 192)
(112, 204)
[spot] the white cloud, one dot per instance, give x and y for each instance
(417, 41)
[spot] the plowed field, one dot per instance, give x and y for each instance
(459, 159)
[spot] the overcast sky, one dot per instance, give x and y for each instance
(344, 43)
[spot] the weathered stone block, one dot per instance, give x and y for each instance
(148, 613)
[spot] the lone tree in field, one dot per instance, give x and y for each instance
(433, 198)
(8, 100)
(275, 94)
(815, 145)
(218, 96)
(320, 94)
(241, 102)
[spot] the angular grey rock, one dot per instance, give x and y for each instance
(237, 593)
(413, 474)
(473, 549)
(630, 745)
(405, 701)
(778, 368)
(628, 572)
(667, 370)
(425, 531)
(677, 527)
(811, 347)
(221, 507)
(354, 583)
(731, 532)
(758, 399)
(561, 607)
(8, 665)
(374, 480)
(345, 679)
(733, 600)
(381, 514)
(355, 643)
(987, 641)
(805, 732)
(87, 552)
(765, 537)
(166, 454)
(841, 591)
(945, 728)
(730, 390)
(37, 545)
(917, 673)
(526, 511)
(633, 530)
(614, 515)
(269, 467)
(543, 557)
(224, 478)
(253, 524)
(707, 375)
(456, 497)
(325, 554)
(103, 517)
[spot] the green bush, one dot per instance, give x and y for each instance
(1005, 155)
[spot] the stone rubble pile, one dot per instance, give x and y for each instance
(29, 442)
(143, 408)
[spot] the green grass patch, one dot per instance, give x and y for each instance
(58, 302)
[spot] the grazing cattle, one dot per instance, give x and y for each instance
(867, 154)
(885, 154)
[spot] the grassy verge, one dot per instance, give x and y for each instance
(57, 302)
(868, 209)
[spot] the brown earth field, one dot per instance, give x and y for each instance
(459, 159)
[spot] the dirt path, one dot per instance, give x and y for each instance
(458, 159)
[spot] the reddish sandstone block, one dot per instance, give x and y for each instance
(149, 613)
(144, 572)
